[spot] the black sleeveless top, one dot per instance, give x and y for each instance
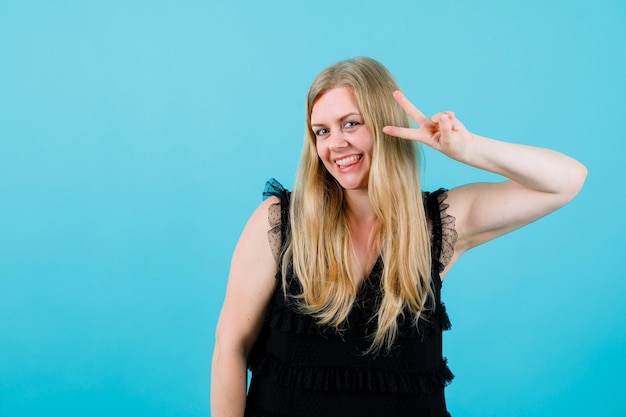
(302, 369)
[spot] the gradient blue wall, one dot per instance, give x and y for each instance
(135, 139)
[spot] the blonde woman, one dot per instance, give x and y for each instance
(333, 299)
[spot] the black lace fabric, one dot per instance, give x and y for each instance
(275, 236)
(442, 228)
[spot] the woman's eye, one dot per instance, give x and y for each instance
(321, 132)
(351, 124)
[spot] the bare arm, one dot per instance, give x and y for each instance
(251, 283)
(539, 180)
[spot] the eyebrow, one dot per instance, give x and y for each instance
(341, 118)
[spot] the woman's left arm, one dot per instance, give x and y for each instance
(539, 180)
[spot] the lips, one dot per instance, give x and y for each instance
(348, 161)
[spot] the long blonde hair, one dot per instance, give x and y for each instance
(320, 246)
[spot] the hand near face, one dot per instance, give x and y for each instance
(443, 132)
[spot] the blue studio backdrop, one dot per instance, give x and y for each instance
(136, 137)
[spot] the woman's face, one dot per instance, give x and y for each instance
(344, 144)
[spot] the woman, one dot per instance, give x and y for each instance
(333, 299)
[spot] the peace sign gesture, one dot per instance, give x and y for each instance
(443, 132)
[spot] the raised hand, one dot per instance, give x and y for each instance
(443, 132)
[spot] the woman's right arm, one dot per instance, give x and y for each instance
(251, 282)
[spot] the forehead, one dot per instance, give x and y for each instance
(334, 104)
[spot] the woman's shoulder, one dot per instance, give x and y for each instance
(276, 203)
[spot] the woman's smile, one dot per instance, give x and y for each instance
(348, 161)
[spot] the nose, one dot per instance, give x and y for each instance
(337, 142)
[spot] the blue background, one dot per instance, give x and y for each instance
(136, 137)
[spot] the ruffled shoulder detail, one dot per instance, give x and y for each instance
(278, 216)
(442, 228)
(311, 377)
(273, 188)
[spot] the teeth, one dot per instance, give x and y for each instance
(347, 160)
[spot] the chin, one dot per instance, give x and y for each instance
(351, 186)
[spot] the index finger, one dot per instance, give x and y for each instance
(410, 109)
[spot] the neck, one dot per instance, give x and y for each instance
(363, 224)
(359, 206)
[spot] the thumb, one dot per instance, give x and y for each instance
(446, 122)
